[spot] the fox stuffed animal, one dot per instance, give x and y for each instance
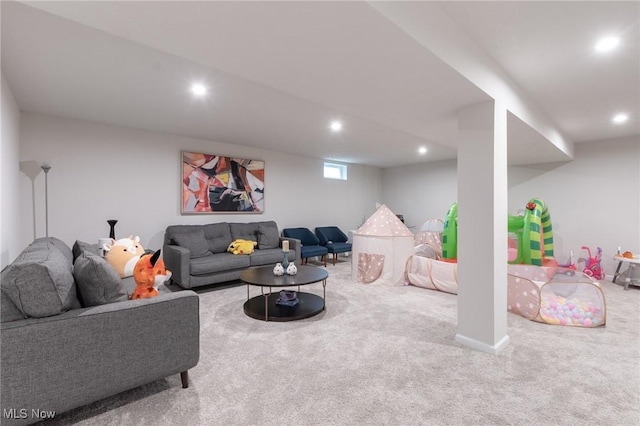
(148, 274)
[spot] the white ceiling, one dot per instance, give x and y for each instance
(547, 48)
(280, 71)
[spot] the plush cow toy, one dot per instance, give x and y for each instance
(148, 274)
(123, 254)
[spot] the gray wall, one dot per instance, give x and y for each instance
(102, 172)
(10, 244)
(420, 191)
(594, 200)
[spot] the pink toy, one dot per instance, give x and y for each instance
(568, 268)
(592, 265)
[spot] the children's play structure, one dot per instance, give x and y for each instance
(530, 235)
(538, 288)
(381, 247)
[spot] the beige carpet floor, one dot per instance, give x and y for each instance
(387, 356)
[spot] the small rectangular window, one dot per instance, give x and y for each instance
(335, 171)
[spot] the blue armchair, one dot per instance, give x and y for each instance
(310, 244)
(334, 240)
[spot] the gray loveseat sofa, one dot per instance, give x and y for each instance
(57, 355)
(197, 254)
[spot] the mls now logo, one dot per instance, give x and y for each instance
(23, 413)
(14, 413)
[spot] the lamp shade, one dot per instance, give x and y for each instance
(30, 168)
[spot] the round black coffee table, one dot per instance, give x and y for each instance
(264, 307)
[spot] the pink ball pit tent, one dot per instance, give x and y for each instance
(381, 247)
(549, 295)
(555, 296)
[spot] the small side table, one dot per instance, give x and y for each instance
(621, 260)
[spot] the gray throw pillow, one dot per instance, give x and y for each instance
(244, 231)
(268, 237)
(195, 242)
(40, 283)
(80, 246)
(218, 236)
(8, 310)
(48, 242)
(98, 282)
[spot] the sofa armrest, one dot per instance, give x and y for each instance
(65, 361)
(176, 259)
(294, 245)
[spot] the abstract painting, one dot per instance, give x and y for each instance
(217, 184)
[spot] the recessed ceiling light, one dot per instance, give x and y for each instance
(336, 126)
(422, 150)
(607, 43)
(198, 89)
(620, 118)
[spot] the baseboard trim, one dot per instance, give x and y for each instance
(481, 346)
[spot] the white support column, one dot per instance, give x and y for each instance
(482, 227)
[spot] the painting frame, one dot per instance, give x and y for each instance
(220, 184)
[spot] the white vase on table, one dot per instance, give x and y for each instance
(291, 269)
(278, 270)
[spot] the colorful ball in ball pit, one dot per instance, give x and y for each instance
(559, 310)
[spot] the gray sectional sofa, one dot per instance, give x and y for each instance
(70, 336)
(197, 254)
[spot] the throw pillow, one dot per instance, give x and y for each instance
(40, 283)
(218, 236)
(98, 283)
(268, 237)
(244, 231)
(194, 241)
(80, 246)
(50, 243)
(8, 310)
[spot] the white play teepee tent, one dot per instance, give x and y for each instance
(381, 248)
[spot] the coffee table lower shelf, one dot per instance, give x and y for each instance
(308, 306)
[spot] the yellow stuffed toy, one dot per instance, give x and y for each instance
(242, 246)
